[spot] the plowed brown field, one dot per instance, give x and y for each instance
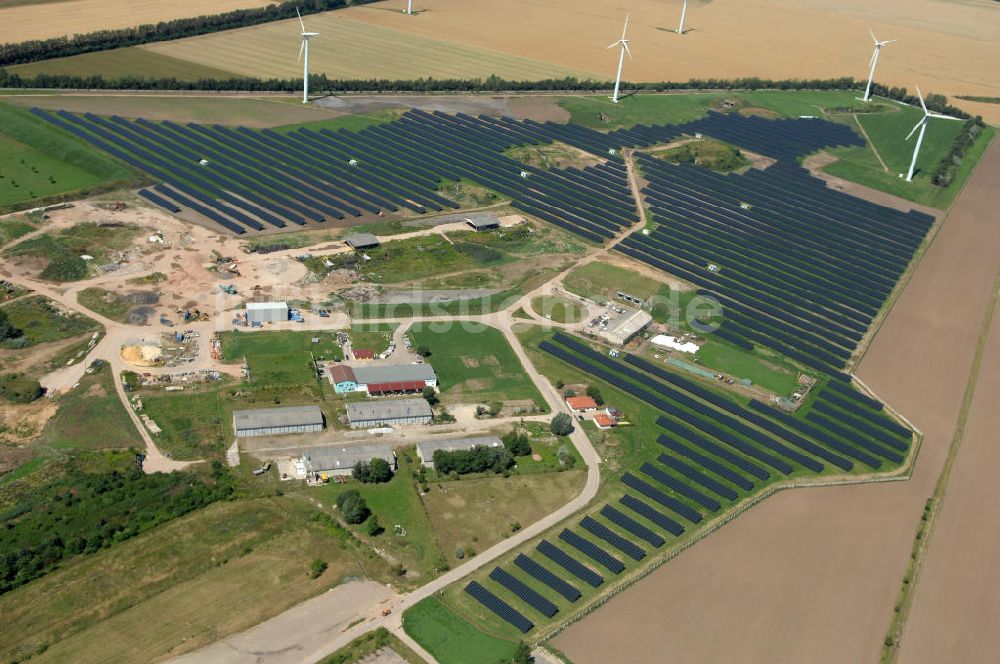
(812, 575)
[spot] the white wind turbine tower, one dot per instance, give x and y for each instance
(409, 6)
(623, 42)
(304, 50)
(922, 126)
(874, 61)
(684, 11)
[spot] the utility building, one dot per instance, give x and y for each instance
(277, 421)
(381, 380)
(427, 448)
(483, 223)
(267, 312)
(388, 413)
(621, 329)
(361, 241)
(340, 461)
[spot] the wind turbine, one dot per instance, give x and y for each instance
(409, 6)
(623, 42)
(684, 11)
(304, 50)
(875, 54)
(922, 126)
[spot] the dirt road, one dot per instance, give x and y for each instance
(812, 575)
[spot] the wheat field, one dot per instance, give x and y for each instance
(347, 48)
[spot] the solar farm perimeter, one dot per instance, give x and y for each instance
(779, 251)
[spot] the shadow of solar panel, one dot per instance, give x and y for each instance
(598, 529)
(524, 592)
(543, 575)
(652, 492)
(571, 565)
(592, 551)
(499, 607)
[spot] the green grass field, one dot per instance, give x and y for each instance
(192, 423)
(558, 309)
(13, 228)
(475, 364)
(40, 162)
(91, 417)
(372, 336)
(280, 357)
(372, 642)
(395, 502)
(450, 638)
(41, 321)
(771, 373)
(62, 249)
(104, 302)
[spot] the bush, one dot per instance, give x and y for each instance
(18, 388)
(562, 425)
(430, 394)
(460, 553)
(7, 329)
(595, 394)
(517, 443)
(477, 460)
(352, 507)
(423, 351)
(316, 568)
(65, 266)
(375, 471)
(374, 527)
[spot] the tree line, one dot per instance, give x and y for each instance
(103, 40)
(322, 84)
(946, 170)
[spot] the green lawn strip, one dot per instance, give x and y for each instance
(91, 417)
(29, 144)
(450, 638)
(191, 423)
(475, 364)
(769, 372)
(41, 321)
(354, 122)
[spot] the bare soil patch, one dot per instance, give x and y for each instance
(540, 109)
(789, 578)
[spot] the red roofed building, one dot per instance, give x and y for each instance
(363, 354)
(581, 404)
(604, 421)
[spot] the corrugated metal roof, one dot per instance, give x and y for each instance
(319, 459)
(394, 373)
(398, 386)
(389, 409)
(289, 416)
(361, 240)
(266, 306)
(341, 373)
(426, 448)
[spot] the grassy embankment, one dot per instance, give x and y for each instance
(40, 163)
(61, 251)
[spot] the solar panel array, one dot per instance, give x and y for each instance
(571, 565)
(547, 577)
(499, 607)
(592, 551)
(796, 266)
(524, 592)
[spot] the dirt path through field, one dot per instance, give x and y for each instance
(792, 578)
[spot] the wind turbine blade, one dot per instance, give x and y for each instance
(944, 117)
(625, 46)
(872, 33)
(890, 41)
(871, 62)
(915, 128)
(615, 44)
(625, 29)
(300, 19)
(921, 98)
(301, 49)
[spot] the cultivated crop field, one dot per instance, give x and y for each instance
(354, 49)
(21, 20)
